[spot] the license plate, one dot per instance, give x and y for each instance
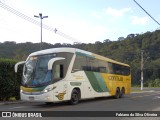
(31, 98)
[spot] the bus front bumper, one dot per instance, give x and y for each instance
(37, 96)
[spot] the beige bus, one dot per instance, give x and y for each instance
(70, 74)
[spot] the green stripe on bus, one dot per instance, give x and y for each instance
(83, 54)
(93, 80)
(75, 83)
(101, 82)
(38, 89)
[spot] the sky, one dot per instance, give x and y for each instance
(86, 21)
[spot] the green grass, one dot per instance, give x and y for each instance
(12, 99)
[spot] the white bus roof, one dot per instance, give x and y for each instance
(75, 50)
(53, 50)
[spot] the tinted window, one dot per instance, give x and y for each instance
(80, 63)
(110, 68)
(119, 69)
(89, 64)
(102, 66)
(92, 64)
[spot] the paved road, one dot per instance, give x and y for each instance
(148, 100)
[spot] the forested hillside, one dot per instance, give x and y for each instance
(127, 50)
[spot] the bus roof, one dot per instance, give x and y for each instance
(53, 50)
(76, 51)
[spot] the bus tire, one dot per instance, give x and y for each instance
(117, 94)
(122, 92)
(75, 97)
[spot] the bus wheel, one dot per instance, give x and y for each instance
(75, 96)
(122, 92)
(117, 94)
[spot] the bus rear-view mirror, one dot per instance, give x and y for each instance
(17, 64)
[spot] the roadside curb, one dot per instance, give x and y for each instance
(10, 102)
(144, 91)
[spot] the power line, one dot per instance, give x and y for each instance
(29, 19)
(19, 14)
(146, 12)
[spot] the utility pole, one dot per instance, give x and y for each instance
(142, 64)
(41, 17)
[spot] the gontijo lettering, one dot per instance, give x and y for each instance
(116, 78)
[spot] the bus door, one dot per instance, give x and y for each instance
(58, 74)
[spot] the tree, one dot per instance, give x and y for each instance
(121, 38)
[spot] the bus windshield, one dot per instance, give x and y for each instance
(35, 71)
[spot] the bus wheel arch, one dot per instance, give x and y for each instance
(75, 96)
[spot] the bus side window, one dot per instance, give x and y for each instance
(58, 72)
(80, 63)
(110, 67)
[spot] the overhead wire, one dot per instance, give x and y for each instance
(29, 19)
(146, 12)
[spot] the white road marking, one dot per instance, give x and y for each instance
(156, 97)
(18, 107)
(144, 91)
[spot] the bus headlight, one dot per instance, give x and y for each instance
(48, 89)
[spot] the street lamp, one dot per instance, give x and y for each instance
(41, 17)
